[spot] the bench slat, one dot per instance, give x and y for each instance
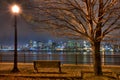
(46, 64)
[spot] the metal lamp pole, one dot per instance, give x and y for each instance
(15, 10)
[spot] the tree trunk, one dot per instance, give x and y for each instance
(97, 59)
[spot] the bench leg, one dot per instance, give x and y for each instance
(60, 69)
(82, 73)
(117, 76)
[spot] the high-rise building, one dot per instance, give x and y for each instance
(35, 44)
(40, 45)
(30, 44)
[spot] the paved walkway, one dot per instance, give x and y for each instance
(69, 72)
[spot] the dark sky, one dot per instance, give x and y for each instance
(25, 31)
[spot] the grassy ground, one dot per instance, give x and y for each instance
(69, 72)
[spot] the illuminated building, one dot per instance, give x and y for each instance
(30, 44)
(49, 44)
(40, 44)
(34, 44)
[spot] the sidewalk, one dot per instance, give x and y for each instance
(69, 72)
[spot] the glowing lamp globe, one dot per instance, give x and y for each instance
(15, 9)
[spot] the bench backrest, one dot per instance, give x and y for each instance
(46, 64)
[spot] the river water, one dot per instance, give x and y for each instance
(108, 58)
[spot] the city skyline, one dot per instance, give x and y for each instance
(51, 45)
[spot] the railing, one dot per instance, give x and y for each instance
(64, 58)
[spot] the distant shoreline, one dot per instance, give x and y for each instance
(50, 50)
(55, 51)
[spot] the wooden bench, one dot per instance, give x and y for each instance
(38, 64)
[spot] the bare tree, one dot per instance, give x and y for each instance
(92, 20)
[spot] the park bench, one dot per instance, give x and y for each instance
(39, 64)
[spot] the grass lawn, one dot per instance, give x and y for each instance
(69, 72)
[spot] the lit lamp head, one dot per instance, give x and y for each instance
(15, 9)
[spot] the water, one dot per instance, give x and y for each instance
(108, 58)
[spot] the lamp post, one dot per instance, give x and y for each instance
(15, 10)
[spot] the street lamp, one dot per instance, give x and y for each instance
(15, 10)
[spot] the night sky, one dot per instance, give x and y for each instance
(25, 30)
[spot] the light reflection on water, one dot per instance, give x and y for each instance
(111, 58)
